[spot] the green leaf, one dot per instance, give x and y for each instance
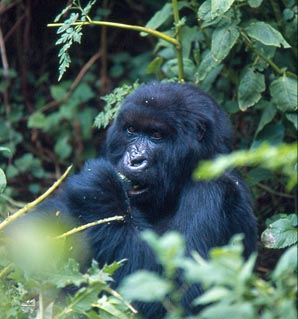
(273, 133)
(282, 158)
(282, 233)
(284, 93)
(207, 65)
(144, 286)
(155, 65)
(68, 274)
(219, 7)
(62, 147)
(3, 181)
(223, 40)
(292, 117)
(257, 175)
(287, 263)
(83, 93)
(5, 149)
(105, 305)
(255, 3)
(212, 295)
(251, 85)
(267, 116)
(159, 17)
(204, 12)
(225, 310)
(58, 92)
(266, 34)
(85, 298)
(37, 120)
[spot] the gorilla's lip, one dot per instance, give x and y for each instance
(137, 190)
(135, 187)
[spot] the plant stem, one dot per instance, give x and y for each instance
(27, 207)
(123, 26)
(265, 58)
(92, 224)
(178, 45)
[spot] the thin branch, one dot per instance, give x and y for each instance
(92, 224)
(27, 207)
(265, 58)
(178, 45)
(5, 71)
(118, 296)
(74, 85)
(273, 192)
(122, 26)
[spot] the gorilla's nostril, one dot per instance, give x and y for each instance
(137, 159)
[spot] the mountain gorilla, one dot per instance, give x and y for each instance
(161, 133)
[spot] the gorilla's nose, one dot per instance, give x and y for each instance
(137, 159)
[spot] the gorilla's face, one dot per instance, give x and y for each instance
(158, 137)
(144, 144)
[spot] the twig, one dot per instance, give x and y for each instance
(83, 227)
(123, 26)
(273, 192)
(27, 207)
(6, 270)
(178, 45)
(75, 83)
(118, 296)
(5, 70)
(265, 58)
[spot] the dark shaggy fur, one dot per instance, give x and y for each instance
(161, 133)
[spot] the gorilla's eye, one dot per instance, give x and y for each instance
(131, 130)
(156, 135)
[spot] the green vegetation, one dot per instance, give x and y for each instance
(242, 52)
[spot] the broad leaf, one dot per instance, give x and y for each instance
(287, 263)
(144, 286)
(223, 40)
(267, 116)
(225, 310)
(254, 3)
(207, 65)
(282, 233)
(3, 181)
(62, 148)
(251, 85)
(212, 295)
(292, 117)
(284, 93)
(37, 120)
(159, 17)
(58, 92)
(219, 7)
(266, 34)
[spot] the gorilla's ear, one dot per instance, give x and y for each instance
(203, 128)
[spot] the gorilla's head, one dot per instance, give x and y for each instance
(160, 134)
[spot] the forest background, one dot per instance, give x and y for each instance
(243, 53)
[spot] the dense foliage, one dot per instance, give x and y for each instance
(243, 52)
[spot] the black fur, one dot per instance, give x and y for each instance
(169, 128)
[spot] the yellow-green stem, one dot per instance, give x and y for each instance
(178, 45)
(123, 26)
(23, 210)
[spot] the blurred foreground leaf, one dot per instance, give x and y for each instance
(282, 158)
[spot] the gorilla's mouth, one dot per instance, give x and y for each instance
(137, 189)
(133, 188)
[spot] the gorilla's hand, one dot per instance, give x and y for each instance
(97, 191)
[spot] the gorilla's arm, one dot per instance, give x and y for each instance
(98, 192)
(211, 212)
